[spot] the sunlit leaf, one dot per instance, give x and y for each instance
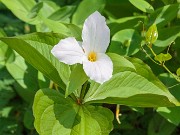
(125, 42)
(64, 116)
(142, 5)
(120, 63)
(128, 88)
(35, 48)
(85, 8)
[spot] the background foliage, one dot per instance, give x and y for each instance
(19, 80)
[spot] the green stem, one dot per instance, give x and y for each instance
(149, 55)
(153, 52)
(176, 77)
(162, 64)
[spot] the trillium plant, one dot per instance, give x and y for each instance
(88, 68)
(91, 51)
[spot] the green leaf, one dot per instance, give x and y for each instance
(159, 126)
(35, 48)
(63, 14)
(49, 7)
(35, 10)
(43, 81)
(145, 71)
(77, 78)
(142, 5)
(6, 54)
(171, 114)
(128, 88)
(21, 9)
(63, 28)
(120, 63)
(85, 8)
(116, 25)
(55, 114)
(26, 77)
(178, 72)
(125, 42)
(163, 57)
(167, 36)
(151, 35)
(164, 15)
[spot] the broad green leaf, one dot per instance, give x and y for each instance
(56, 27)
(151, 35)
(178, 72)
(65, 29)
(163, 57)
(164, 15)
(57, 115)
(35, 10)
(21, 9)
(120, 63)
(125, 42)
(77, 78)
(119, 8)
(85, 8)
(142, 5)
(145, 71)
(6, 54)
(171, 114)
(35, 48)
(167, 36)
(43, 81)
(26, 77)
(49, 7)
(129, 88)
(63, 14)
(159, 126)
(116, 25)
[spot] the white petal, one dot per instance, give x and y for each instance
(95, 34)
(100, 70)
(68, 51)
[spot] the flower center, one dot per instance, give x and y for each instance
(92, 56)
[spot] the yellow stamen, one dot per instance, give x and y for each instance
(92, 56)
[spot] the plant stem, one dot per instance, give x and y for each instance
(118, 113)
(162, 64)
(148, 55)
(176, 77)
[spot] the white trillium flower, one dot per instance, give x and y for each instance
(91, 51)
